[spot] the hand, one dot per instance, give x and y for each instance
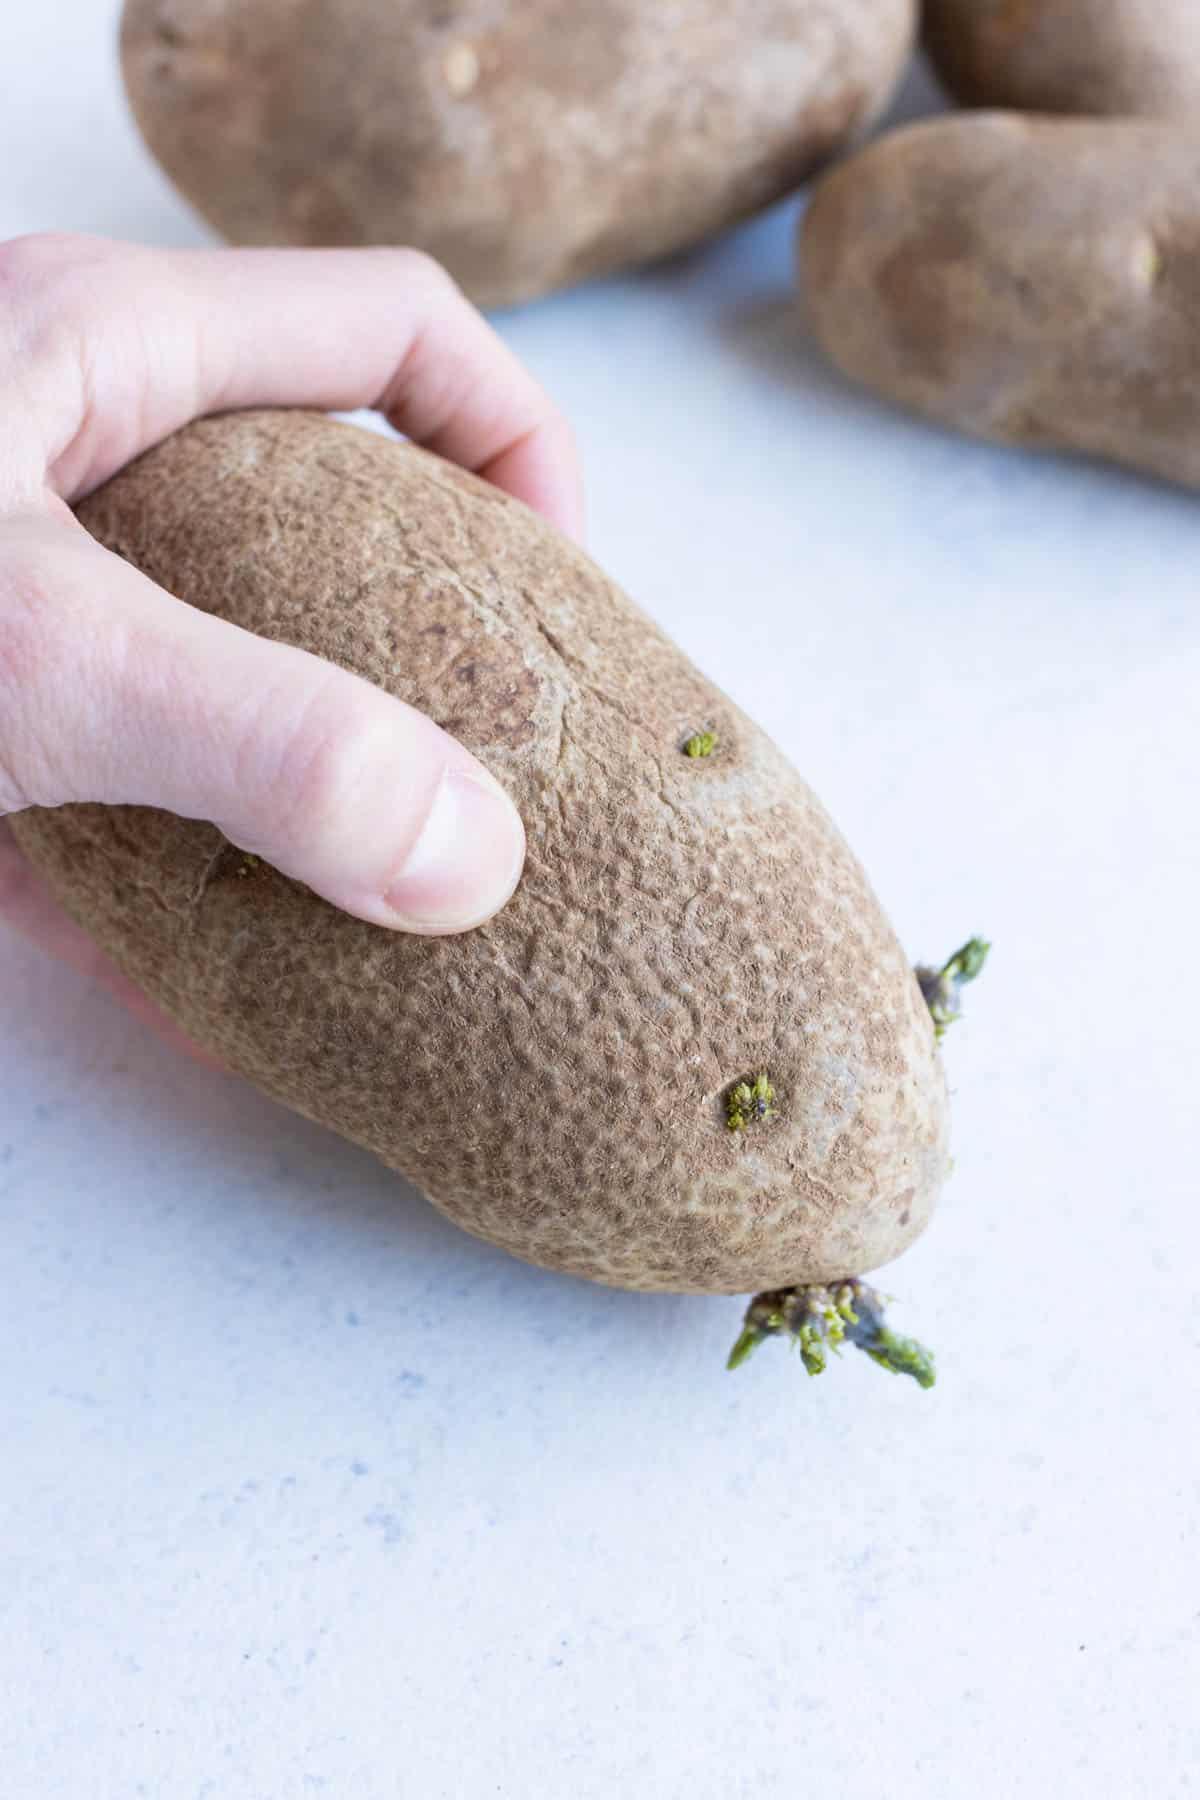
(112, 690)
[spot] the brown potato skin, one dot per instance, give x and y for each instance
(526, 144)
(1100, 57)
(1032, 281)
(556, 1080)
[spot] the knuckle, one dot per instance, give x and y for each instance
(28, 259)
(26, 612)
(39, 649)
(54, 287)
(24, 652)
(49, 261)
(417, 268)
(307, 771)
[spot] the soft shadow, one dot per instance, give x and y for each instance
(221, 1149)
(772, 338)
(919, 97)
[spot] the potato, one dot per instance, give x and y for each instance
(1123, 57)
(1033, 281)
(692, 946)
(526, 144)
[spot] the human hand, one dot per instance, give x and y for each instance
(113, 690)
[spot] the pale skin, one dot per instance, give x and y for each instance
(113, 690)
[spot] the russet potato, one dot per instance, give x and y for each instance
(692, 946)
(526, 144)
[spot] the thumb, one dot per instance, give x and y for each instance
(111, 690)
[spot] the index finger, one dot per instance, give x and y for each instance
(164, 336)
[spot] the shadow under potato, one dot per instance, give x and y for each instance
(772, 337)
(216, 1154)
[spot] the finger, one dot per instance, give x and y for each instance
(167, 335)
(115, 692)
(28, 907)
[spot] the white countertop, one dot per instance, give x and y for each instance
(303, 1492)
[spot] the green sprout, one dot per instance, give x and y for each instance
(248, 864)
(820, 1319)
(749, 1103)
(942, 988)
(701, 743)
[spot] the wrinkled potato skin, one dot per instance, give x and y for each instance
(526, 144)
(1116, 57)
(554, 1081)
(1031, 281)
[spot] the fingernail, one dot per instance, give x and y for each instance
(466, 862)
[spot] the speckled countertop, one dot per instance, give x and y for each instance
(302, 1492)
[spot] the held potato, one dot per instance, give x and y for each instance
(1033, 281)
(526, 144)
(689, 1054)
(1123, 57)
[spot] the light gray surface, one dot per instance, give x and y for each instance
(305, 1493)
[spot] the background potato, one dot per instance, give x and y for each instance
(524, 143)
(1035, 281)
(1069, 56)
(557, 1080)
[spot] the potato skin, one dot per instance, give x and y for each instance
(1031, 281)
(555, 1081)
(527, 144)
(1099, 57)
